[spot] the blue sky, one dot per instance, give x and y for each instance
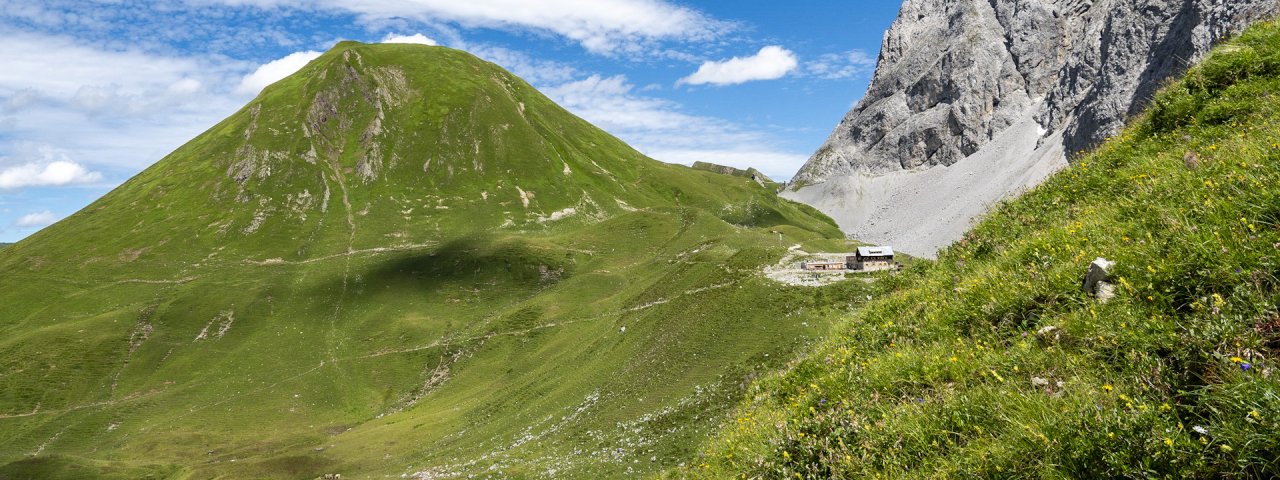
(94, 91)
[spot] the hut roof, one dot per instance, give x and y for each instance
(875, 251)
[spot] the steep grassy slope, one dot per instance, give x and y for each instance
(401, 260)
(992, 363)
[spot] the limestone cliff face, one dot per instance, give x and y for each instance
(957, 78)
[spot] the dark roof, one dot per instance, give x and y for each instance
(875, 251)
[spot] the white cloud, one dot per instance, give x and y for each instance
(52, 174)
(274, 71)
(186, 86)
(600, 26)
(122, 108)
(417, 38)
(59, 66)
(36, 219)
(22, 99)
(772, 62)
(839, 66)
(532, 70)
(658, 128)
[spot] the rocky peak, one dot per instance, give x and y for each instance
(959, 79)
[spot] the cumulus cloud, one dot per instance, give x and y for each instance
(52, 174)
(36, 219)
(770, 63)
(417, 38)
(600, 26)
(58, 66)
(274, 71)
(661, 130)
(119, 107)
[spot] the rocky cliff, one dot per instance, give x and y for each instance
(974, 100)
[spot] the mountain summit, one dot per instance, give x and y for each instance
(402, 261)
(974, 100)
(376, 144)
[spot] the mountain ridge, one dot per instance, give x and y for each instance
(1004, 90)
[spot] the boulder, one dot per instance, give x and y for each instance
(1097, 281)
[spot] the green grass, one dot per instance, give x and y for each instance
(221, 315)
(363, 272)
(991, 362)
(736, 172)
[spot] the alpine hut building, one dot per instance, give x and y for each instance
(870, 259)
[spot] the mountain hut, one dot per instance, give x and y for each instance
(870, 259)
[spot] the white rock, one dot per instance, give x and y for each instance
(1096, 281)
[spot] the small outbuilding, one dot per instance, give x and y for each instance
(870, 259)
(824, 266)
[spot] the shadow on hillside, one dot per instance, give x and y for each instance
(475, 262)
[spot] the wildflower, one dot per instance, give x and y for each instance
(1168, 441)
(1237, 360)
(1225, 448)
(1200, 430)
(1255, 415)
(1108, 388)
(1244, 367)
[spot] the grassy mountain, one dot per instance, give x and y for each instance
(992, 363)
(401, 260)
(737, 172)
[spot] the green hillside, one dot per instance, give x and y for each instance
(737, 172)
(992, 362)
(401, 260)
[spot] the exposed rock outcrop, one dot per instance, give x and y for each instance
(973, 100)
